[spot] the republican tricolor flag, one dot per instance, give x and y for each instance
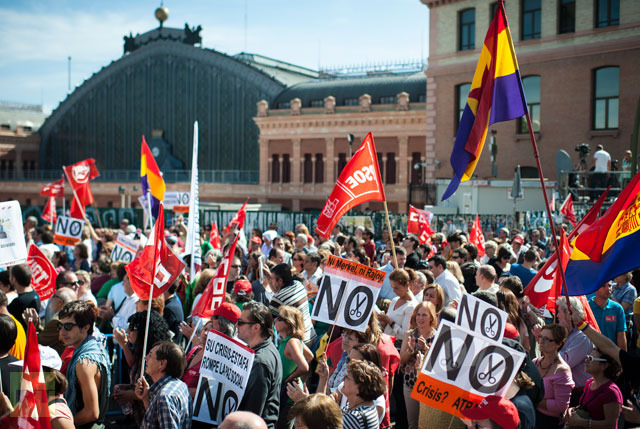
(153, 186)
(496, 95)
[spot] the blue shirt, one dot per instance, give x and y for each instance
(625, 293)
(170, 405)
(526, 275)
(386, 291)
(611, 319)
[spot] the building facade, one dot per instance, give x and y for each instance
(579, 62)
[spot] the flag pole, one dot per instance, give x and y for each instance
(393, 244)
(193, 334)
(84, 212)
(97, 215)
(536, 155)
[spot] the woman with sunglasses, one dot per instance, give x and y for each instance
(298, 261)
(601, 399)
(289, 325)
(556, 375)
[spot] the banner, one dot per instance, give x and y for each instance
(177, 201)
(238, 219)
(462, 367)
(224, 373)
(125, 249)
(420, 224)
(68, 231)
(43, 273)
(49, 213)
(476, 237)
(192, 245)
(13, 249)
(214, 237)
(347, 294)
(53, 189)
(358, 183)
(481, 317)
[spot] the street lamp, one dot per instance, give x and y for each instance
(493, 149)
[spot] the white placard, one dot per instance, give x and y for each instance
(481, 317)
(125, 249)
(213, 401)
(176, 199)
(68, 231)
(13, 249)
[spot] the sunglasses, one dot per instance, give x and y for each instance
(236, 266)
(76, 283)
(243, 322)
(590, 358)
(66, 326)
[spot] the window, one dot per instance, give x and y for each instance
(531, 86)
(342, 161)
(416, 173)
(388, 99)
(286, 168)
(307, 176)
(380, 164)
(566, 16)
(5, 127)
(605, 102)
(317, 103)
(466, 29)
(492, 10)
(462, 93)
(391, 168)
(531, 19)
(319, 169)
(275, 168)
(351, 102)
(607, 13)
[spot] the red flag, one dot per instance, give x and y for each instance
(476, 236)
(591, 242)
(43, 273)
(79, 175)
(588, 313)
(156, 266)
(358, 183)
(238, 219)
(214, 237)
(53, 189)
(213, 294)
(539, 287)
(420, 224)
(49, 213)
(567, 210)
(556, 287)
(32, 410)
(552, 204)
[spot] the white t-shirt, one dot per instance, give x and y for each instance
(602, 159)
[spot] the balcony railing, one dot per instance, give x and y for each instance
(587, 186)
(173, 176)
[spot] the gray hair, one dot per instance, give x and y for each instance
(302, 237)
(67, 294)
(576, 305)
(421, 278)
(227, 327)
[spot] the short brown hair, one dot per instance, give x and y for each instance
(173, 354)
(83, 312)
(400, 276)
(317, 411)
(558, 332)
(368, 378)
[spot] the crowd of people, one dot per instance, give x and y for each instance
(308, 373)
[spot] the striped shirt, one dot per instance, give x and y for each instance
(362, 417)
(295, 295)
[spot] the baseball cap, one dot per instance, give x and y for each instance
(256, 240)
(500, 410)
(518, 239)
(242, 287)
(229, 311)
(510, 331)
(131, 229)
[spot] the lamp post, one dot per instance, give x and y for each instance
(493, 148)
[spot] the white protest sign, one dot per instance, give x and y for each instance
(462, 367)
(13, 249)
(224, 373)
(481, 317)
(176, 201)
(68, 231)
(125, 249)
(347, 293)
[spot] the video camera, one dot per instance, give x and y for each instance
(583, 150)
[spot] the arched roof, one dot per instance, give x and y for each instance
(377, 86)
(164, 85)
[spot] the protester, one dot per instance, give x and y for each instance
(194, 359)
(89, 372)
(609, 315)
(173, 313)
(262, 396)
(84, 287)
(445, 279)
(317, 411)
(20, 342)
(363, 383)
(624, 293)
(434, 294)
(7, 287)
(20, 278)
(81, 258)
(167, 401)
(415, 345)
(8, 334)
(48, 335)
(242, 420)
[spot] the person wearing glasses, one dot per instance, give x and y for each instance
(262, 395)
(84, 287)
(20, 278)
(89, 372)
(48, 336)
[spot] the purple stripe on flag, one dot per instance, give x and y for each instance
(508, 98)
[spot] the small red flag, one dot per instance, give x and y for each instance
(32, 410)
(556, 287)
(567, 210)
(238, 219)
(43, 273)
(214, 237)
(420, 224)
(49, 213)
(156, 266)
(53, 189)
(79, 175)
(213, 294)
(476, 237)
(359, 182)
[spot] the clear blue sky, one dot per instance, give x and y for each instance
(38, 36)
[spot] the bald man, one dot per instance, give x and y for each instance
(243, 420)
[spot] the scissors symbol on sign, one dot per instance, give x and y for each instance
(491, 329)
(356, 311)
(488, 375)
